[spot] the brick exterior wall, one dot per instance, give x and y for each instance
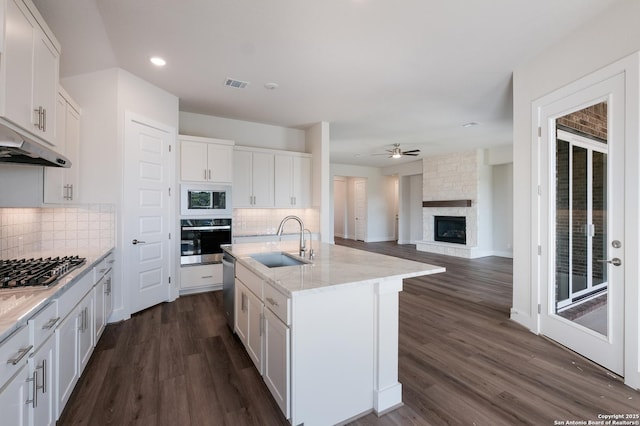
(590, 121)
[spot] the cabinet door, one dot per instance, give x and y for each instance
(54, 177)
(13, 406)
(277, 360)
(219, 160)
(242, 179)
(99, 319)
(108, 297)
(283, 181)
(262, 179)
(193, 161)
(71, 186)
(67, 365)
(301, 181)
(45, 84)
(85, 337)
(43, 364)
(241, 312)
(254, 336)
(18, 64)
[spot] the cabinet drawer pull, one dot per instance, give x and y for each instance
(272, 301)
(34, 384)
(49, 325)
(207, 276)
(21, 354)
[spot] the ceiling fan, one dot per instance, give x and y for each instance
(396, 152)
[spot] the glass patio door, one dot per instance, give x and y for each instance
(581, 204)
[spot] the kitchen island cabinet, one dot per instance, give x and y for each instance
(330, 329)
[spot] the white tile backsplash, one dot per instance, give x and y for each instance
(24, 230)
(249, 222)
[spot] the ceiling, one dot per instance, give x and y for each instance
(380, 72)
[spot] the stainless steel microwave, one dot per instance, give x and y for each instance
(209, 200)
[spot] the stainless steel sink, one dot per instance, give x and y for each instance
(277, 259)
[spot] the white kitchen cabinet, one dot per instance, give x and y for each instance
(253, 178)
(292, 180)
(102, 301)
(29, 70)
(205, 160)
(249, 322)
(41, 371)
(277, 360)
(200, 276)
(61, 185)
(74, 342)
(14, 388)
(13, 406)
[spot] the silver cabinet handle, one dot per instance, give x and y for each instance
(49, 325)
(209, 174)
(615, 261)
(34, 380)
(44, 119)
(205, 174)
(136, 241)
(44, 376)
(21, 354)
(272, 301)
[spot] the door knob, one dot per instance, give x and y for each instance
(615, 261)
(134, 242)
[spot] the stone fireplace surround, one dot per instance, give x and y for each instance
(448, 180)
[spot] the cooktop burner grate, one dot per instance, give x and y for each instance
(43, 272)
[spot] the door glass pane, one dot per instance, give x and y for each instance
(562, 221)
(579, 220)
(581, 202)
(599, 202)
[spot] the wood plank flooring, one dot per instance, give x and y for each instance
(462, 362)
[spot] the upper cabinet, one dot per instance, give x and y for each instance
(252, 178)
(205, 159)
(292, 180)
(29, 71)
(270, 178)
(61, 185)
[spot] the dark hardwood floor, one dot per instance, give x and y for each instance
(462, 362)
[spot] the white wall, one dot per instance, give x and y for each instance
(380, 205)
(340, 206)
(612, 36)
(105, 96)
(244, 133)
(503, 210)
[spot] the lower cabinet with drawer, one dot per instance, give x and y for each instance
(262, 323)
(196, 278)
(14, 387)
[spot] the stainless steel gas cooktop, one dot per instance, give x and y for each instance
(43, 272)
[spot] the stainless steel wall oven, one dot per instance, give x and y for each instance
(200, 240)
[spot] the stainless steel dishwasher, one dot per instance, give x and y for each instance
(228, 287)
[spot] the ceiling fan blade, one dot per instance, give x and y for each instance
(410, 151)
(411, 154)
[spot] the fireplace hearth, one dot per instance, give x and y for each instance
(450, 229)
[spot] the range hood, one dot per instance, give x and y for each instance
(16, 148)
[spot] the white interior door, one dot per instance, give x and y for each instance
(582, 222)
(148, 259)
(361, 209)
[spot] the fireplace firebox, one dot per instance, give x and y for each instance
(450, 229)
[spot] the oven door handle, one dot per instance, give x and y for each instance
(205, 228)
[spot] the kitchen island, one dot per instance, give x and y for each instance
(324, 334)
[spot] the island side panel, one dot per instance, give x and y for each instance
(332, 356)
(387, 388)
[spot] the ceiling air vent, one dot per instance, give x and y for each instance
(238, 84)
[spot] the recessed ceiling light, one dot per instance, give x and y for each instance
(158, 61)
(470, 124)
(271, 86)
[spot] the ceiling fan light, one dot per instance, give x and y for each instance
(396, 155)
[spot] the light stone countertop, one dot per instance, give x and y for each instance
(332, 266)
(18, 305)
